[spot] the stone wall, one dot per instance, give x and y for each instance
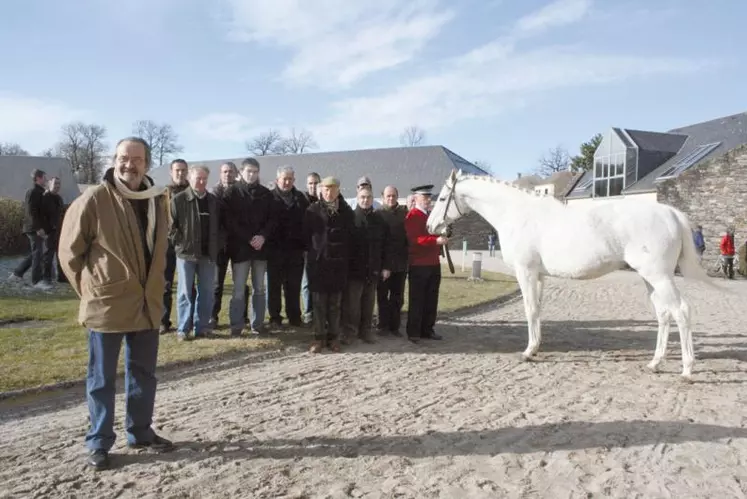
(713, 195)
(472, 228)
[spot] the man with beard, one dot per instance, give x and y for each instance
(52, 207)
(228, 176)
(391, 291)
(312, 196)
(328, 226)
(112, 248)
(179, 182)
(249, 224)
(286, 249)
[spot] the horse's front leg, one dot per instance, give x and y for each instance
(531, 286)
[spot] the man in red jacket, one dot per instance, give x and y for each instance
(727, 252)
(424, 273)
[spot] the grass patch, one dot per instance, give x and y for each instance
(57, 351)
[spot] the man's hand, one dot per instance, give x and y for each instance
(385, 274)
(41, 233)
(442, 240)
(257, 242)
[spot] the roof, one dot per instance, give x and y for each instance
(403, 167)
(16, 174)
(656, 141)
(729, 132)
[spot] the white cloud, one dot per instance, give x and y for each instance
(336, 43)
(226, 127)
(492, 78)
(34, 123)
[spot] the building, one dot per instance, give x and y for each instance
(700, 169)
(403, 167)
(15, 172)
(555, 185)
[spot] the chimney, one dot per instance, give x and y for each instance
(518, 176)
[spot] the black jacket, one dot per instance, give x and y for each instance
(369, 245)
(185, 234)
(33, 218)
(397, 255)
(52, 211)
(329, 242)
(249, 212)
(289, 219)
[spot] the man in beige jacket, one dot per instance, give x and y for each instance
(113, 250)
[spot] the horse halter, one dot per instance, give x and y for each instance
(448, 202)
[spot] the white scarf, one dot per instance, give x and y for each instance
(150, 194)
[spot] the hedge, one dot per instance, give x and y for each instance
(12, 241)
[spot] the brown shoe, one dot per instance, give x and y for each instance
(334, 346)
(316, 347)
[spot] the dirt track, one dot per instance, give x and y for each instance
(458, 418)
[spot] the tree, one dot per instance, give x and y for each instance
(12, 149)
(585, 160)
(484, 165)
(163, 140)
(47, 153)
(270, 142)
(412, 136)
(84, 147)
(298, 142)
(554, 160)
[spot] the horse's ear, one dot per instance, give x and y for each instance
(453, 175)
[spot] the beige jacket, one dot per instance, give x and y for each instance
(101, 252)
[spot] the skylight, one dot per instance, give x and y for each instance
(583, 185)
(688, 160)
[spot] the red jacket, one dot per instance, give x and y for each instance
(727, 246)
(422, 248)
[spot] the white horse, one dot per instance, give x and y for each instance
(540, 236)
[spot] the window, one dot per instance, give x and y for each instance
(609, 175)
(688, 160)
(582, 185)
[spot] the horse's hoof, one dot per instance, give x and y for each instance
(527, 357)
(686, 378)
(654, 366)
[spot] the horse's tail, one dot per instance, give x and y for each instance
(688, 261)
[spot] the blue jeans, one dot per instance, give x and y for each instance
(308, 308)
(141, 355)
(240, 273)
(204, 269)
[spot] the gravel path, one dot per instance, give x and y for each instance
(458, 418)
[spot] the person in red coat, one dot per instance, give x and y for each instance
(727, 252)
(424, 272)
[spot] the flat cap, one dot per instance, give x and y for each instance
(423, 189)
(330, 181)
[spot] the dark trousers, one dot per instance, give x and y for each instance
(50, 257)
(327, 316)
(222, 263)
(390, 297)
(423, 300)
(34, 260)
(357, 309)
(167, 296)
(284, 275)
(141, 354)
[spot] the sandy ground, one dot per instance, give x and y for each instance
(458, 418)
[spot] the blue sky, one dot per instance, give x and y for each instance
(499, 81)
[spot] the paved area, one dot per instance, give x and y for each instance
(459, 418)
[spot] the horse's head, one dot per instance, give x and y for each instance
(448, 207)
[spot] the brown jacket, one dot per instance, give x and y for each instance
(101, 252)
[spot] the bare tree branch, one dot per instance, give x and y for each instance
(84, 147)
(12, 149)
(484, 165)
(163, 140)
(266, 143)
(47, 153)
(298, 142)
(412, 136)
(556, 159)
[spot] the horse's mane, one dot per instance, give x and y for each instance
(506, 183)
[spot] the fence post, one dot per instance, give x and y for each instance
(476, 267)
(464, 254)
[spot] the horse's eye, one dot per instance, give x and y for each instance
(441, 199)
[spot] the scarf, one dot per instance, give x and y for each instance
(330, 207)
(150, 194)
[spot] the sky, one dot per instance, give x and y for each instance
(498, 81)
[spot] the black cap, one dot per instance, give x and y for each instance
(423, 189)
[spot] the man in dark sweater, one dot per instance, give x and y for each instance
(312, 196)
(229, 174)
(391, 292)
(34, 224)
(52, 207)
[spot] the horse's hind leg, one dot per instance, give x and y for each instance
(531, 291)
(662, 336)
(667, 297)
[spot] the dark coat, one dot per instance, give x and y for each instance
(52, 211)
(369, 245)
(329, 243)
(289, 221)
(33, 216)
(249, 213)
(397, 255)
(185, 234)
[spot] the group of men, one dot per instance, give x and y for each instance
(43, 211)
(342, 257)
(118, 240)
